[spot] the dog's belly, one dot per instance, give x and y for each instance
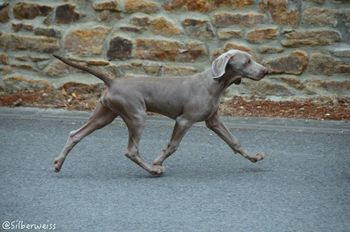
(190, 108)
(166, 108)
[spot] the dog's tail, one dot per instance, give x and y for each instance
(100, 75)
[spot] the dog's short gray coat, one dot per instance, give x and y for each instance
(187, 100)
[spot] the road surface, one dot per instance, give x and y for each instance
(302, 185)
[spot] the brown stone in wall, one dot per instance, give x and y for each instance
(227, 19)
(176, 70)
(280, 12)
(5, 69)
(347, 19)
(145, 6)
(229, 33)
(21, 66)
(163, 26)
(270, 48)
(57, 68)
(233, 3)
(23, 10)
(86, 42)
(4, 12)
(205, 5)
(190, 5)
(192, 51)
(157, 49)
(293, 63)
(4, 59)
(260, 35)
(108, 15)
(100, 5)
(238, 46)
(14, 83)
(119, 48)
(33, 58)
(267, 87)
(24, 42)
(141, 67)
(128, 28)
(156, 68)
(140, 20)
(16, 27)
(49, 32)
(318, 1)
(231, 45)
(169, 50)
(298, 38)
(327, 64)
(320, 16)
(63, 14)
(198, 28)
(340, 1)
(334, 87)
(347, 15)
(342, 68)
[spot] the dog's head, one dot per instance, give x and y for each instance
(240, 64)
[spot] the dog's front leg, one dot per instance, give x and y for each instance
(216, 125)
(181, 127)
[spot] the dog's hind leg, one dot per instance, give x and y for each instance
(101, 117)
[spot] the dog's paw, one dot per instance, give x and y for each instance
(57, 164)
(259, 156)
(157, 170)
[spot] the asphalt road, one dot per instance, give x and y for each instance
(303, 184)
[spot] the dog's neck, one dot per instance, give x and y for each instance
(219, 85)
(229, 78)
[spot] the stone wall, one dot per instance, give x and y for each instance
(305, 44)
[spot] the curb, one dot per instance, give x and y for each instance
(300, 125)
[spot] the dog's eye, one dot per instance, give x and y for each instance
(248, 61)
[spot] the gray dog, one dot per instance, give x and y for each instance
(187, 100)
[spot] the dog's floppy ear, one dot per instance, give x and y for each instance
(218, 66)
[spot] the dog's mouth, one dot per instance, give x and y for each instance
(237, 81)
(258, 77)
